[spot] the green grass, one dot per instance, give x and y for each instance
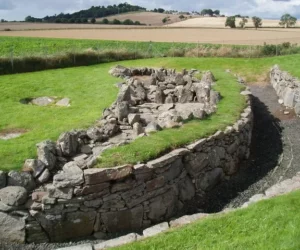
(268, 225)
(29, 46)
(91, 89)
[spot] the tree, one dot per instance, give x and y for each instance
(160, 10)
(116, 21)
(257, 22)
(181, 17)
(105, 21)
(207, 12)
(128, 22)
(230, 22)
(287, 20)
(93, 20)
(166, 20)
(217, 12)
(243, 22)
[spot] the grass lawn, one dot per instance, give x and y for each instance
(268, 225)
(91, 89)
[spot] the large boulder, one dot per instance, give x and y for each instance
(122, 110)
(36, 167)
(13, 196)
(190, 110)
(22, 179)
(12, 228)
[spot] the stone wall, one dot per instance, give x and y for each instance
(59, 196)
(286, 87)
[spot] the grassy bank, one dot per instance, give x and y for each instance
(20, 54)
(91, 89)
(270, 224)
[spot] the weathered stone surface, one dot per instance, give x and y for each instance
(120, 71)
(90, 189)
(152, 127)
(210, 179)
(34, 233)
(202, 90)
(71, 176)
(155, 183)
(122, 110)
(78, 247)
(60, 193)
(125, 220)
(163, 206)
(288, 97)
(36, 167)
(68, 143)
(142, 172)
(197, 146)
(159, 96)
(96, 176)
(12, 228)
(196, 162)
(168, 158)
(22, 179)
(186, 189)
(133, 118)
(190, 110)
(2, 179)
(46, 152)
(208, 77)
(187, 219)
(137, 129)
(65, 102)
(71, 226)
(95, 134)
(44, 177)
(42, 101)
(13, 196)
(116, 242)
(157, 229)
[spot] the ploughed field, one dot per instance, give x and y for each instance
(191, 35)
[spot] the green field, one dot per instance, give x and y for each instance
(91, 89)
(268, 225)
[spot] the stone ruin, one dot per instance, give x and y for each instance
(60, 196)
(154, 99)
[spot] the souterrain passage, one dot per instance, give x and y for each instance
(274, 153)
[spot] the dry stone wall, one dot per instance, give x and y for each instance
(287, 88)
(60, 197)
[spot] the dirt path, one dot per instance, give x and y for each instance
(275, 153)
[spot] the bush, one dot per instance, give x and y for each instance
(128, 22)
(116, 21)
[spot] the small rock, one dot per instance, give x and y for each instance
(286, 112)
(65, 102)
(133, 118)
(42, 101)
(45, 176)
(137, 129)
(280, 101)
(34, 166)
(151, 231)
(152, 127)
(22, 179)
(13, 196)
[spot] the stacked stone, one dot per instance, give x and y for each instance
(287, 88)
(59, 197)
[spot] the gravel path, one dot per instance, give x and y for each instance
(275, 153)
(274, 156)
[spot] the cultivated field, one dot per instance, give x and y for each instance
(192, 35)
(149, 18)
(219, 22)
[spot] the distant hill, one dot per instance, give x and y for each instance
(149, 18)
(83, 16)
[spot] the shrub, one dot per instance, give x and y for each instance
(230, 22)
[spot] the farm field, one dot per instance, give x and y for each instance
(190, 35)
(219, 22)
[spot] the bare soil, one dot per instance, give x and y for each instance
(7, 134)
(193, 35)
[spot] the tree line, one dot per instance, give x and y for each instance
(83, 15)
(286, 21)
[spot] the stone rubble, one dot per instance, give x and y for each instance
(286, 87)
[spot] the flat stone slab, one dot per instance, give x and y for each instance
(78, 247)
(157, 229)
(65, 102)
(42, 101)
(129, 238)
(187, 219)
